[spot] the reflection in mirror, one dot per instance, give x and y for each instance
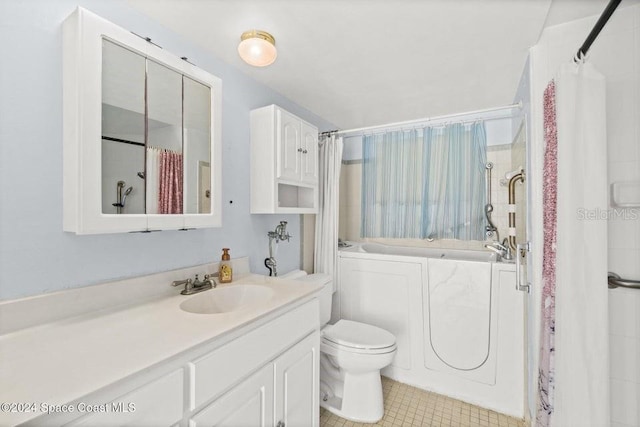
(124, 126)
(197, 134)
(123, 75)
(164, 140)
(155, 157)
(204, 187)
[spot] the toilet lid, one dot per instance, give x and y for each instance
(358, 335)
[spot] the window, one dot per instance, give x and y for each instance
(425, 183)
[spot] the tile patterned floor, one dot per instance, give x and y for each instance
(409, 406)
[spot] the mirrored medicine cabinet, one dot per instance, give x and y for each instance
(141, 134)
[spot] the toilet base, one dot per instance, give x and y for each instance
(361, 401)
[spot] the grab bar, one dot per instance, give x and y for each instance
(615, 281)
(521, 252)
(490, 228)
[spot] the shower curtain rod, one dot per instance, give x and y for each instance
(595, 31)
(124, 141)
(427, 119)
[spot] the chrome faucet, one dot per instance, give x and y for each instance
(195, 286)
(280, 233)
(503, 250)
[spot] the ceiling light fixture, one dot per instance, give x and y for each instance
(257, 48)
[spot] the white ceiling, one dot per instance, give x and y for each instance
(366, 62)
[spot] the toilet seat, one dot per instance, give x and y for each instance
(358, 337)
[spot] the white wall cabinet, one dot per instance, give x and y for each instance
(124, 100)
(309, 157)
(288, 145)
(266, 376)
(284, 162)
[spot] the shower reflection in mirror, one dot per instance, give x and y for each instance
(156, 133)
(121, 196)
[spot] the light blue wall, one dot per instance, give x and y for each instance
(36, 256)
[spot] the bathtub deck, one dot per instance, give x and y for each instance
(409, 406)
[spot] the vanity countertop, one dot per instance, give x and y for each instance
(58, 362)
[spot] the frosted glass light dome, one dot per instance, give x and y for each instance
(257, 48)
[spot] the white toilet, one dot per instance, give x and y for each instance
(351, 357)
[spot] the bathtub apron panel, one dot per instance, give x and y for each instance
(380, 294)
(458, 319)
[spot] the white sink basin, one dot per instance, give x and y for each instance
(226, 299)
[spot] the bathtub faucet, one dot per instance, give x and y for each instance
(503, 250)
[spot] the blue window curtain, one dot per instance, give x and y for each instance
(425, 183)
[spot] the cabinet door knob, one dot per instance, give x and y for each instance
(299, 150)
(304, 151)
(280, 424)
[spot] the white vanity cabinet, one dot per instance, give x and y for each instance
(250, 403)
(295, 375)
(264, 375)
(284, 162)
(278, 394)
(157, 403)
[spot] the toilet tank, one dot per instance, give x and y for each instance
(326, 294)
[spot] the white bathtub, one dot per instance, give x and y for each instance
(456, 315)
(457, 254)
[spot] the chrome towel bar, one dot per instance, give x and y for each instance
(615, 281)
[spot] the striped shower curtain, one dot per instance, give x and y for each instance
(425, 183)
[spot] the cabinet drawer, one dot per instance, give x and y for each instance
(158, 403)
(217, 371)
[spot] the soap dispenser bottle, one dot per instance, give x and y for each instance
(225, 271)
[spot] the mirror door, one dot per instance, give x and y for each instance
(164, 140)
(156, 133)
(196, 137)
(123, 130)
